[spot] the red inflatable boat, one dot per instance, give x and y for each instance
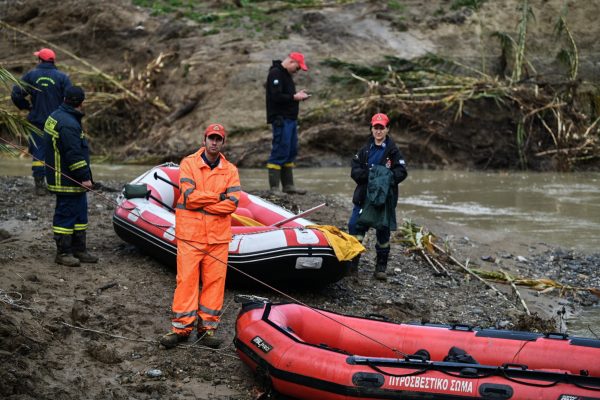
(313, 354)
(263, 244)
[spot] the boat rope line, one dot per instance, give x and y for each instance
(554, 378)
(113, 202)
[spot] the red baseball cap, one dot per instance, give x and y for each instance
(380, 119)
(45, 54)
(215, 129)
(299, 58)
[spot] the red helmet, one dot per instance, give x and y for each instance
(215, 129)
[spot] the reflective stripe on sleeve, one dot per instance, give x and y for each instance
(233, 189)
(77, 165)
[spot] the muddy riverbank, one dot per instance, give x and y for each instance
(93, 332)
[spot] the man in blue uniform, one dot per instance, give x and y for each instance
(282, 114)
(47, 90)
(69, 177)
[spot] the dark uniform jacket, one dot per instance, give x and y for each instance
(67, 151)
(360, 169)
(51, 83)
(280, 94)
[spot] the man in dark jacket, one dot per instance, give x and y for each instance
(69, 177)
(282, 114)
(47, 91)
(379, 150)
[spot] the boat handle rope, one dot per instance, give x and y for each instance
(113, 202)
(415, 373)
(501, 371)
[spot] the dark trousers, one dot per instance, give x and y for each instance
(37, 149)
(70, 214)
(383, 235)
(285, 142)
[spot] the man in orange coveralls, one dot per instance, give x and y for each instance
(210, 190)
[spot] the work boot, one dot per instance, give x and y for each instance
(287, 181)
(382, 261)
(40, 186)
(208, 338)
(67, 260)
(64, 251)
(274, 178)
(80, 248)
(172, 339)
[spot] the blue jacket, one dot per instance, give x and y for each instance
(51, 83)
(67, 151)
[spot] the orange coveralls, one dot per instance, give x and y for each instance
(203, 229)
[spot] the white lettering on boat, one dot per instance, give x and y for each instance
(261, 344)
(431, 383)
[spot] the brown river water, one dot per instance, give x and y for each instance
(553, 208)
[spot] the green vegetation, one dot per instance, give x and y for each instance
(396, 5)
(14, 123)
(472, 4)
(256, 17)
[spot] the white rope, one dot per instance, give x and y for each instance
(12, 299)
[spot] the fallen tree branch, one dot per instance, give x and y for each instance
(512, 283)
(469, 271)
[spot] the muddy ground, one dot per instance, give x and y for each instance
(92, 332)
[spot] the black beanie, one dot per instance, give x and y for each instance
(74, 96)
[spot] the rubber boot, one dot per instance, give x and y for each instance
(353, 270)
(274, 178)
(40, 186)
(64, 251)
(383, 254)
(80, 249)
(287, 181)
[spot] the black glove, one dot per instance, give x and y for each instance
(222, 196)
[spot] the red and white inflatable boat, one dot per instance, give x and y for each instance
(313, 354)
(261, 245)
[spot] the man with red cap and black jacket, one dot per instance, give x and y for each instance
(69, 177)
(210, 191)
(380, 150)
(47, 91)
(282, 114)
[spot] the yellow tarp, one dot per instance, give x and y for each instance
(345, 246)
(246, 221)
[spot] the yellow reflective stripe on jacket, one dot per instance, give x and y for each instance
(66, 189)
(77, 165)
(62, 231)
(81, 227)
(49, 127)
(37, 163)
